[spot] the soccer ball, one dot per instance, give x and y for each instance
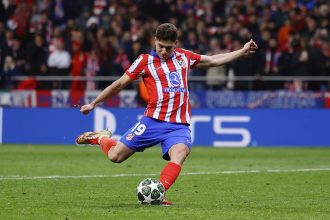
(150, 191)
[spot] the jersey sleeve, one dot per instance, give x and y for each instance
(194, 58)
(137, 69)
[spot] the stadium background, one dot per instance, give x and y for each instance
(56, 55)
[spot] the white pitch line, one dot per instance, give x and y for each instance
(152, 174)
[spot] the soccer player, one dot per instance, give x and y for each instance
(166, 118)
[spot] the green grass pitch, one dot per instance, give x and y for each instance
(69, 182)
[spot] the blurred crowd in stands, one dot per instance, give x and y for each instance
(103, 37)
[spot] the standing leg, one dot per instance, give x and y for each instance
(178, 153)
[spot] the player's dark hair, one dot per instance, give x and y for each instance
(166, 32)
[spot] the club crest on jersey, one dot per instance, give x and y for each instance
(130, 136)
(182, 63)
(175, 79)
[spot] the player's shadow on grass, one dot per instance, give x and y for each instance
(124, 206)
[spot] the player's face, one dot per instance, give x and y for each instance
(164, 49)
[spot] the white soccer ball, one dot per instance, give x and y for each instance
(150, 191)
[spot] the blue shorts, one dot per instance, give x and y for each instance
(149, 132)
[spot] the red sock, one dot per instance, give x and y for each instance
(107, 143)
(169, 174)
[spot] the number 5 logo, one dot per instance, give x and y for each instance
(219, 129)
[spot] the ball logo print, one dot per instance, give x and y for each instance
(175, 79)
(150, 192)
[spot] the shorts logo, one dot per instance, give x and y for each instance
(175, 79)
(130, 136)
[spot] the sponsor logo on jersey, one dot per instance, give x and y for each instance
(175, 79)
(171, 89)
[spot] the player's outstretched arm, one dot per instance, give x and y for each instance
(220, 59)
(108, 92)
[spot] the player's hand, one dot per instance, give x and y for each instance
(85, 109)
(250, 48)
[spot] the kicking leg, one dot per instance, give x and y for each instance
(116, 151)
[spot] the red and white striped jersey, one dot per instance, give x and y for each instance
(166, 83)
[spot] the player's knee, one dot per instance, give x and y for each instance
(183, 152)
(179, 154)
(115, 158)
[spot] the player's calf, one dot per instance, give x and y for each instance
(118, 153)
